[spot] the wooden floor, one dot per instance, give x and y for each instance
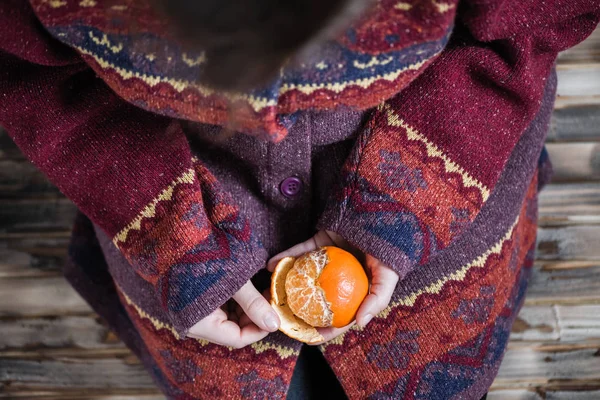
(53, 347)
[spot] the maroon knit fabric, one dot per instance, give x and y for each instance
(190, 217)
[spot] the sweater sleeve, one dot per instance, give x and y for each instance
(428, 161)
(129, 171)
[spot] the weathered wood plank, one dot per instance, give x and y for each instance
(32, 254)
(569, 243)
(585, 52)
(570, 204)
(561, 323)
(20, 178)
(575, 122)
(35, 334)
(81, 395)
(573, 395)
(542, 394)
(575, 101)
(21, 264)
(536, 323)
(61, 353)
(39, 297)
(514, 394)
(8, 149)
(578, 79)
(563, 265)
(578, 285)
(575, 161)
(531, 367)
(579, 323)
(35, 214)
(103, 376)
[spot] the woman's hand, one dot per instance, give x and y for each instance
(383, 279)
(246, 318)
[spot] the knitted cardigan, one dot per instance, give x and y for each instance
(440, 182)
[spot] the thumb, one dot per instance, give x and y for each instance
(383, 284)
(257, 308)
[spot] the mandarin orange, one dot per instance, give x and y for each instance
(321, 288)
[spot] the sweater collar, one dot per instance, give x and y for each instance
(371, 62)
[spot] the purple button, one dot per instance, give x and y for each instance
(290, 187)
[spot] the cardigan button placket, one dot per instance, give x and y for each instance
(290, 185)
(290, 167)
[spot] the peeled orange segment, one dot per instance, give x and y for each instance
(306, 298)
(291, 325)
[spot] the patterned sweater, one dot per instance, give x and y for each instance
(429, 118)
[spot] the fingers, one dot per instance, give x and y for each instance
(295, 251)
(242, 318)
(331, 333)
(320, 239)
(383, 283)
(217, 329)
(257, 308)
(337, 240)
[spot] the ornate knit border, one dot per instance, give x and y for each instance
(187, 177)
(433, 151)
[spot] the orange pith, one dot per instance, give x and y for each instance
(305, 298)
(326, 287)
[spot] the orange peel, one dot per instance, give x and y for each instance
(291, 325)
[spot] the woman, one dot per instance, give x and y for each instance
(200, 139)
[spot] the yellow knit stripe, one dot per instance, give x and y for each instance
(149, 211)
(87, 3)
(103, 41)
(55, 3)
(443, 7)
(363, 83)
(434, 151)
(258, 347)
(282, 351)
(458, 275)
(257, 103)
(193, 62)
(155, 322)
(403, 6)
(179, 85)
(372, 62)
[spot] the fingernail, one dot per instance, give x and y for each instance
(367, 319)
(271, 322)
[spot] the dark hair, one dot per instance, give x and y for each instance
(247, 41)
